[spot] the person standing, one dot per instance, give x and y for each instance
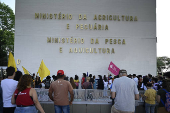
(145, 81)
(140, 84)
(25, 97)
(33, 76)
(87, 84)
(83, 79)
(100, 83)
(160, 80)
(91, 79)
(135, 79)
(61, 87)
(72, 83)
(37, 82)
(95, 82)
(47, 82)
(156, 86)
(76, 81)
(150, 77)
(18, 75)
(109, 82)
(150, 97)
(161, 94)
(125, 92)
(105, 86)
(1, 100)
(53, 78)
(33, 81)
(8, 87)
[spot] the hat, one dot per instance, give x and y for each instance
(122, 71)
(60, 72)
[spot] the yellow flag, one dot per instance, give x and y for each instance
(11, 61)
(43, 70)
(25, 71)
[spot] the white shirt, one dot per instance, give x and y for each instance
(110, 83)
(143, 86)
(125, 89)
(8, 88)
(105, 83)
(136, 80)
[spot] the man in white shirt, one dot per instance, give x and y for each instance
(8, 87)
(135, 79)
(125, 92)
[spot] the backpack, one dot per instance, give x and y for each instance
(167, 102)
(77, 84)
(90, 86)
(47, 83)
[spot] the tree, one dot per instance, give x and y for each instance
(163, 63)
(7, 22)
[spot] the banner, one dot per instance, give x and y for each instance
(11, 61)
(43, 71)
(25, 71)
(113, 68)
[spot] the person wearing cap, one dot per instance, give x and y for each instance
(60, 88)
(125, 92)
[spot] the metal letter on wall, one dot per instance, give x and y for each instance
(18, 61)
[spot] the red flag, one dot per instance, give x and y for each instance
(113, 68)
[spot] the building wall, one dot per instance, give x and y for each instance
(137, 55)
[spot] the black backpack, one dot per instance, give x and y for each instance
(47, 83)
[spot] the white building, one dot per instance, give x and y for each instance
(126, 29)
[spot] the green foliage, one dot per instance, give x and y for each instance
(163, 63)
(7, 22)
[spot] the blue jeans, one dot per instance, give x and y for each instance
(59, 109)
(37, 86)
(149, 108)
(29, 109)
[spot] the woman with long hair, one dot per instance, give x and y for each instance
(37, 82)
(100, 83)
(25, 97)
(72, 83)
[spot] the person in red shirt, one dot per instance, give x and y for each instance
(25, 97)
(83, 79)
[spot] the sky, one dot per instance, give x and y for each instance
(163, 25)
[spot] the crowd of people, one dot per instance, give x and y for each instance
(17, 93)
(17, 96)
